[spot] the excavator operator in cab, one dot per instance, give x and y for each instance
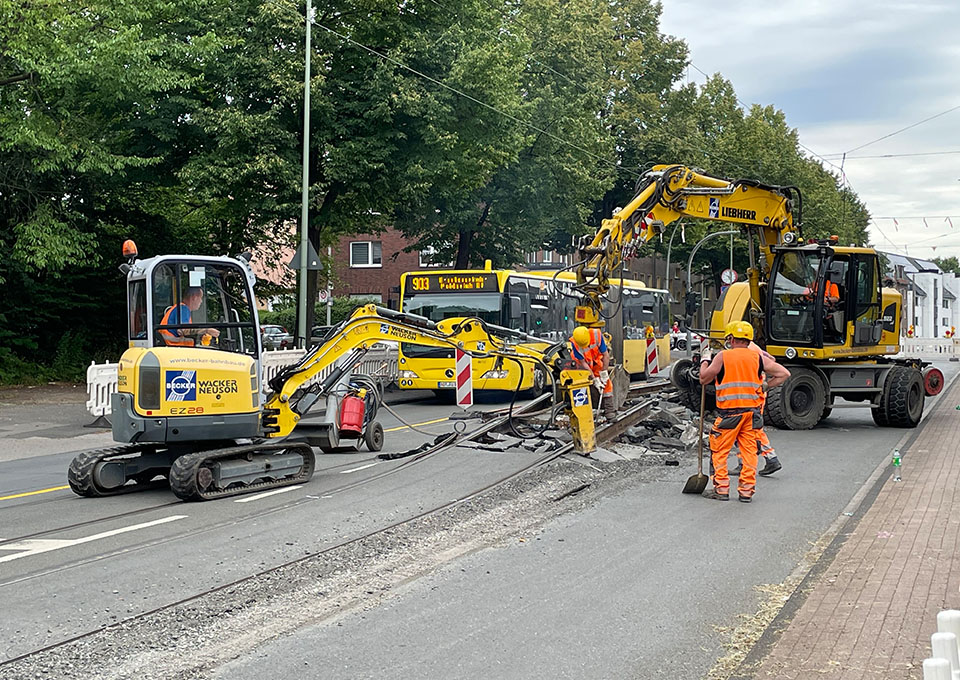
(190, 302)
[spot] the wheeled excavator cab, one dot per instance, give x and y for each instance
(825, 302)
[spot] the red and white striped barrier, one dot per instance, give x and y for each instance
(464, 380)
(653, 363)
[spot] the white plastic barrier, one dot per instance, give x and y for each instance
(380, 362)
(929, 346)
(101, 383)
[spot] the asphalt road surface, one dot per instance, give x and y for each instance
(643, 583)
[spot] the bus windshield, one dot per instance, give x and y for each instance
(440, 306)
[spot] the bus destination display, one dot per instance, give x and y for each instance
(454, 283)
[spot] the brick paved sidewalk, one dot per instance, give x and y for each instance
(871, 611)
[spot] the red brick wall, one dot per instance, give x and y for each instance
(375, 280)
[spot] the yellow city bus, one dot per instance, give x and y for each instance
(525, 301)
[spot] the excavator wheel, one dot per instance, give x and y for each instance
(901, 404)
(683, 377)
(799, 402)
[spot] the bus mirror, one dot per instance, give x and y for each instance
(516, 307)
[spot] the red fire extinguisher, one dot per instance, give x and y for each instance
(351, 412)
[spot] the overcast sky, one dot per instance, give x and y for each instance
(845, 73)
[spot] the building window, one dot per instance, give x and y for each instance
(548, 257)
(366, 254)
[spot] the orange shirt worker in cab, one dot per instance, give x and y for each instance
(182, 314)
(738, 373)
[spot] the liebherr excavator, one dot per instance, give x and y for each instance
(189, 405)
(833, 347)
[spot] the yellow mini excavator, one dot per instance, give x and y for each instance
(189, 404)
(820, 308)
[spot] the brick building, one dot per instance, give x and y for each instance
(368, 266)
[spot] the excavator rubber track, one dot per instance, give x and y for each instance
(82, 474)
(192, 476)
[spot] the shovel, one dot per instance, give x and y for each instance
(698, 482)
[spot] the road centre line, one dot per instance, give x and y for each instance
(35, 546)
(257, 497)
(404, 427)
(356, 469)
(34, 493)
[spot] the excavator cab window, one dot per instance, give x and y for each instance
(203, 304)
(795, 305)
(867, 323)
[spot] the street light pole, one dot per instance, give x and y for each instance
(302, 330)
(689, 279)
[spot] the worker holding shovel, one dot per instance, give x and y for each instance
(739, 374)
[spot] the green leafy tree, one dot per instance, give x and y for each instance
(948, 264)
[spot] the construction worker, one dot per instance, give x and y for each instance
(770, 461)
(183, 314)
(739, 374)
(591, 353)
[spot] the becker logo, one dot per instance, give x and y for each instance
(181, 385)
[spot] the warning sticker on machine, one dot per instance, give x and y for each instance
(181, 385)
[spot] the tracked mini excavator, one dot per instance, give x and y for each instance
(189, 405)
(839, 345)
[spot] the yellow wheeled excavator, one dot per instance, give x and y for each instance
(190, 406)
(820, 308)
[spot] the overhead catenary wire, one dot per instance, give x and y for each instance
(898, 155)
(616, 166)
(903, 129)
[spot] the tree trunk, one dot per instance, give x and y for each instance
(463, 250)
(466, 239)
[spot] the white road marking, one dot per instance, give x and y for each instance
(247, 499)
(362, 467)
(35, 546)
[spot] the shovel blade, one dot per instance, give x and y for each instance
(696, 484)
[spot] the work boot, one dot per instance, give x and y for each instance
(770, 465)
(713, 495)
(745, 499)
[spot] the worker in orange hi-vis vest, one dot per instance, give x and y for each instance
(770, 461)
(739, 374)
(591, 353)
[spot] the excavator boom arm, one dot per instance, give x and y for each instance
(292, 396)
(665, 194)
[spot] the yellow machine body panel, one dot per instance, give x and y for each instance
(184, 381)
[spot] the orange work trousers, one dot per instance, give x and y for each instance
(741, 429)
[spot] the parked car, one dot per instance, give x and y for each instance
(678, 341)
(275, 337)
(318, 333)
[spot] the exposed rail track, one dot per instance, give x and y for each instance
(604, 434)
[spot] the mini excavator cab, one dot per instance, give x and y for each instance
(189, 301)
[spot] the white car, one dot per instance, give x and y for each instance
(678, 341)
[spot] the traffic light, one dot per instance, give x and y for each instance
(692, 302)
